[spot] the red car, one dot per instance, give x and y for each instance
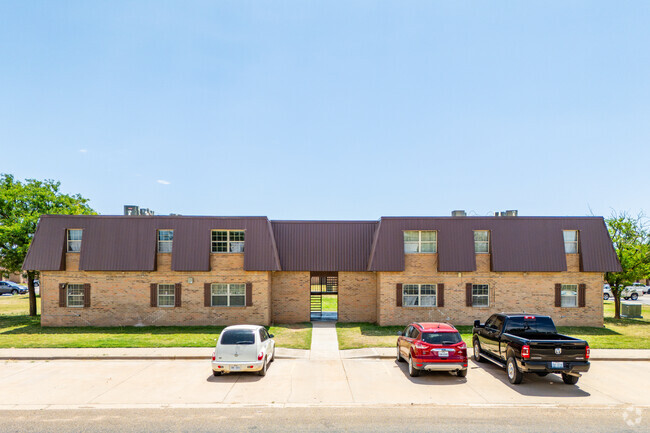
(432, 347)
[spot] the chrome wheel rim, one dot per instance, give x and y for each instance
(511, 370)
(398, 353)
(411, 364)
(477, 351)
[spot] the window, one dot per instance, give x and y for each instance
(481, 241)
(75, 295)
(414, 332)
(165, 239)
(228, 295)
(166, 295)
(227, 241)
(419, 295)
(420, 241)
(480, 295)
(237, 336)
(263, 335)
(571, 241)
(74, 240)
(569, 295)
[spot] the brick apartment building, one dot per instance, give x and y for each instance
(173, 270)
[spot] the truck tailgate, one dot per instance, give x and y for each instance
(550, 350)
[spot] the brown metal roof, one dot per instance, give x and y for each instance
(127, 243)
(518, 244)
(324, 245)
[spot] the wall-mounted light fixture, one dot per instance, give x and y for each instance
(190, 280)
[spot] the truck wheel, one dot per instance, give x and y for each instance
(569, 380)
(399, 356)
(514, 375)
(216, 373)
(477, 351)
(462, 373)
(413, 372)
(634, 296)
(606, 296)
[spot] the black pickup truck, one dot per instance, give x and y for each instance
(528, 343)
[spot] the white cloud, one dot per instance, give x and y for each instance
(163, 182)
(83, 150)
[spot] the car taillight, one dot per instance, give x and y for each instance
(525, 352)
(260, 356)
(213, 356)
(420, 346)
(529, 317)
(587, 352)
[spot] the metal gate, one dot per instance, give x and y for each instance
(324, 284)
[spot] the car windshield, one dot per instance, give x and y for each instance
(238, 336)
(441, 337)
(537, 325)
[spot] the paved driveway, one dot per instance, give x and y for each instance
(298, 382)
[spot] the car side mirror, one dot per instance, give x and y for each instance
(477, 323)
(399, 333)
(271, 335)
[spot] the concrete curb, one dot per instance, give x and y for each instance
(119, 358)
(203, 358)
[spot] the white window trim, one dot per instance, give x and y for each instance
(68, 295)
(173, 295)
(228, 231)
(481, 296)
(68, 240)
(227, 295)
(419, 242)
(419, 295)
(171, 242)
(576, 242)
(577, 288)
(482, 242)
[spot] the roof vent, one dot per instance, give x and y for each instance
(458, 213)
(511, 213)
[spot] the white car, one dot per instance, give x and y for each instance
(243, 348)
(627, 293)
(640, 288)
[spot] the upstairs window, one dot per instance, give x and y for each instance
(481, 241)
(227, 241)
(165, 239)
(74, 240)
(419, 295)
(420, 241)
(571, 241)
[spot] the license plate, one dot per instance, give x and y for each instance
(443, 354)
(235, 368)
(557, 364)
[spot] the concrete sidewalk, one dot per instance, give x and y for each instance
(327, 351)
(324, 342)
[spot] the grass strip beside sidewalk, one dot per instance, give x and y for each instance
(616, 334)
(19, 330)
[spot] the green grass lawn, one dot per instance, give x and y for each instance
(617, 334)
(330, 303)
(19, 330)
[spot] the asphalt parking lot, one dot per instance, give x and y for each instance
(300, 382)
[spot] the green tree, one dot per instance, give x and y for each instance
(21, 206)
(631, 240)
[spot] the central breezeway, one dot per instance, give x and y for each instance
(324, 295)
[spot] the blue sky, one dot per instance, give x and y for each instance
(330, 110)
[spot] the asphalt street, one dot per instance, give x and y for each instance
(391, 418)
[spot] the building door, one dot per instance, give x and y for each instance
(324, 299)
